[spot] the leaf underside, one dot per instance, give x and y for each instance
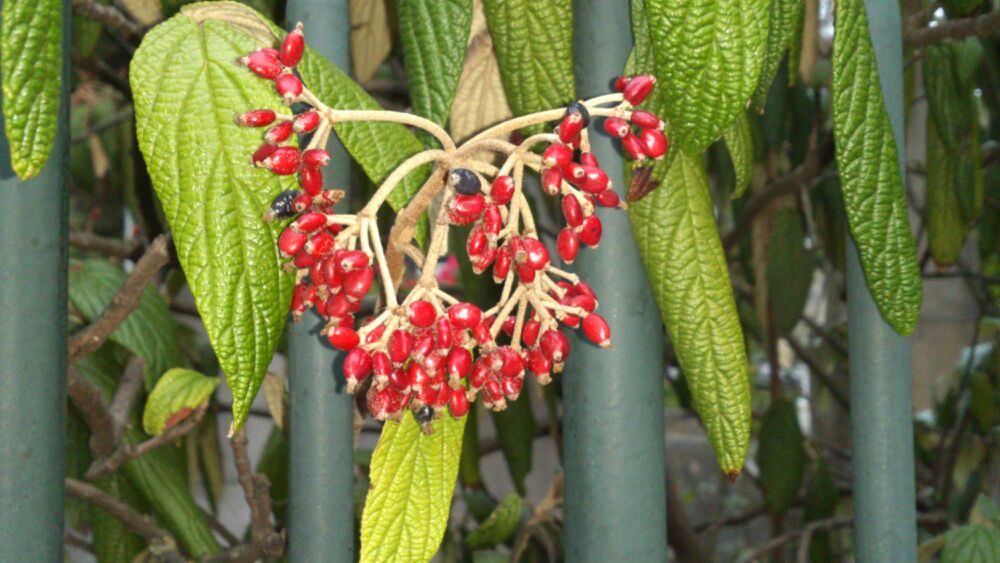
(869, 173)
(31, 43)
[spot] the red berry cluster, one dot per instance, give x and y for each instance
(431, 352)
(650, 142)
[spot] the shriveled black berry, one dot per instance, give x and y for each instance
(424, 414)
(281, 206)
(578, 107)
(464, 181)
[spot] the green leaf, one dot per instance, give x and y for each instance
(435, 36)
(31, 42)
(675, 230)
(150, 331)
(784, 16)
(112, 541)
(790, 269)
(177, 394)
(641, 61)
(412, 480)
(515, 427)
(86, 34)
(78, 460)
(986, 511)
(972, 544)
(708, 59)
(821, 503)
(946, 227)
(739, 143)
(534, 45)
(781, 456)
(869, 173)
(159, 475)
(949, 70)
(500, 526)
(187, 89)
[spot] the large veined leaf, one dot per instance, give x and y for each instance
(112, 541)
(176, 395)
(739, 143)
(952, 176)
(31, 42)
(972, 544)
(187, 89)
(781, 456)
(150, 331)
(435, 35)
(868, 163)
(499, 526)
(790, 268)
(534, 45)
(412, 481)
(708, 59)
(949, 81)
(785, 16)
(675, 230)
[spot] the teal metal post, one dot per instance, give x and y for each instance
(613, 399)
(321, 500)
(881, 375)
(33, 263)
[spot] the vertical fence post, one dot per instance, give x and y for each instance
(321, 499)
(615, 508)
(33, 261)
(881, 375)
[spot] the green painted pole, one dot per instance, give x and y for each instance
(321, 500)
(33, 262)
(881, 375)
(613, 399)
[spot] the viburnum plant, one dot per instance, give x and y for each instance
(428, 351)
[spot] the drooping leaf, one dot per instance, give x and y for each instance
(150, 331)
(676, 233)
(371, 38)
(177, 394)
(790, 269)
(187, 89)
(781, 456)
(112, 541)
(86, 34)
(412, 480)
(784, 16)
(31, 38)
(534, 46)
(946, 227)
(972, 544)
(708, 59)
(821, 503)
(501, 524)
(435, 35)
(739, 143)
(516, 434)
(869, 168)
(949, 72)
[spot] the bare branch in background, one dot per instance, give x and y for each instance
(108, 15)
(976, 26)
(104, 245)
(256, 489)
(129, 387)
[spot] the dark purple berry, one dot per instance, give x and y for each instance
(464, 181)
(281, 206)
(578, 107)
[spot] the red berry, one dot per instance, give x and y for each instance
(557, 155)
(633, 146)
(351, 260)
(590, 231)
(502, 190)
(554, 345)
(646, 120)
(306, 122)
(423, 345)
(502, 265)
(596, 329)
(442, 332)
(492, 220)
(572, 210)
(316, 157)
(310, 222)
(464, 209)
(356, 284)
(279, 133)
(381, 363)
(289, 87)
(654, 143)
(458, 403)
(464, 315)
(459, 362)
(320, 245)
(343, 338)
(620, 83)
(400, 345)
(537, 255)
(264, 63)
(399, 379)
(481, 332)
(529, 332)
(417, 375)
(586, 302)
(357, 365)
(256, 118)
(582, 288)
(638, 88)
(265, 150)
(538, 364)
(311, 180)
(568, 245)
(338, 305)
(588, 159)
(617, 127)
(421, 313)
(477, 241)
(291, 242)
(573, 172)
(594, 180)
(293, 46)
(484, 260)
(552, 180)
(525, 273)
(570, 127)
(609, 198)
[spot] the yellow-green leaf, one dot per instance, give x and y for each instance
(501, 524)
(675, 230)
(739, 143)
(781, 456)
(412, 481)
(177, 394)
(869, 167)
(708, 59)
(31, 38)
(785, 16)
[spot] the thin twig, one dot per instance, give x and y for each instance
(838, 396)
(123, 303)
(162, 543)
(219, 527)
(108, 15)
(975, 26)
(87, 399)
(256, 490)
(104, 245)
(125, 452)
(116, 119)
(129, 387)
